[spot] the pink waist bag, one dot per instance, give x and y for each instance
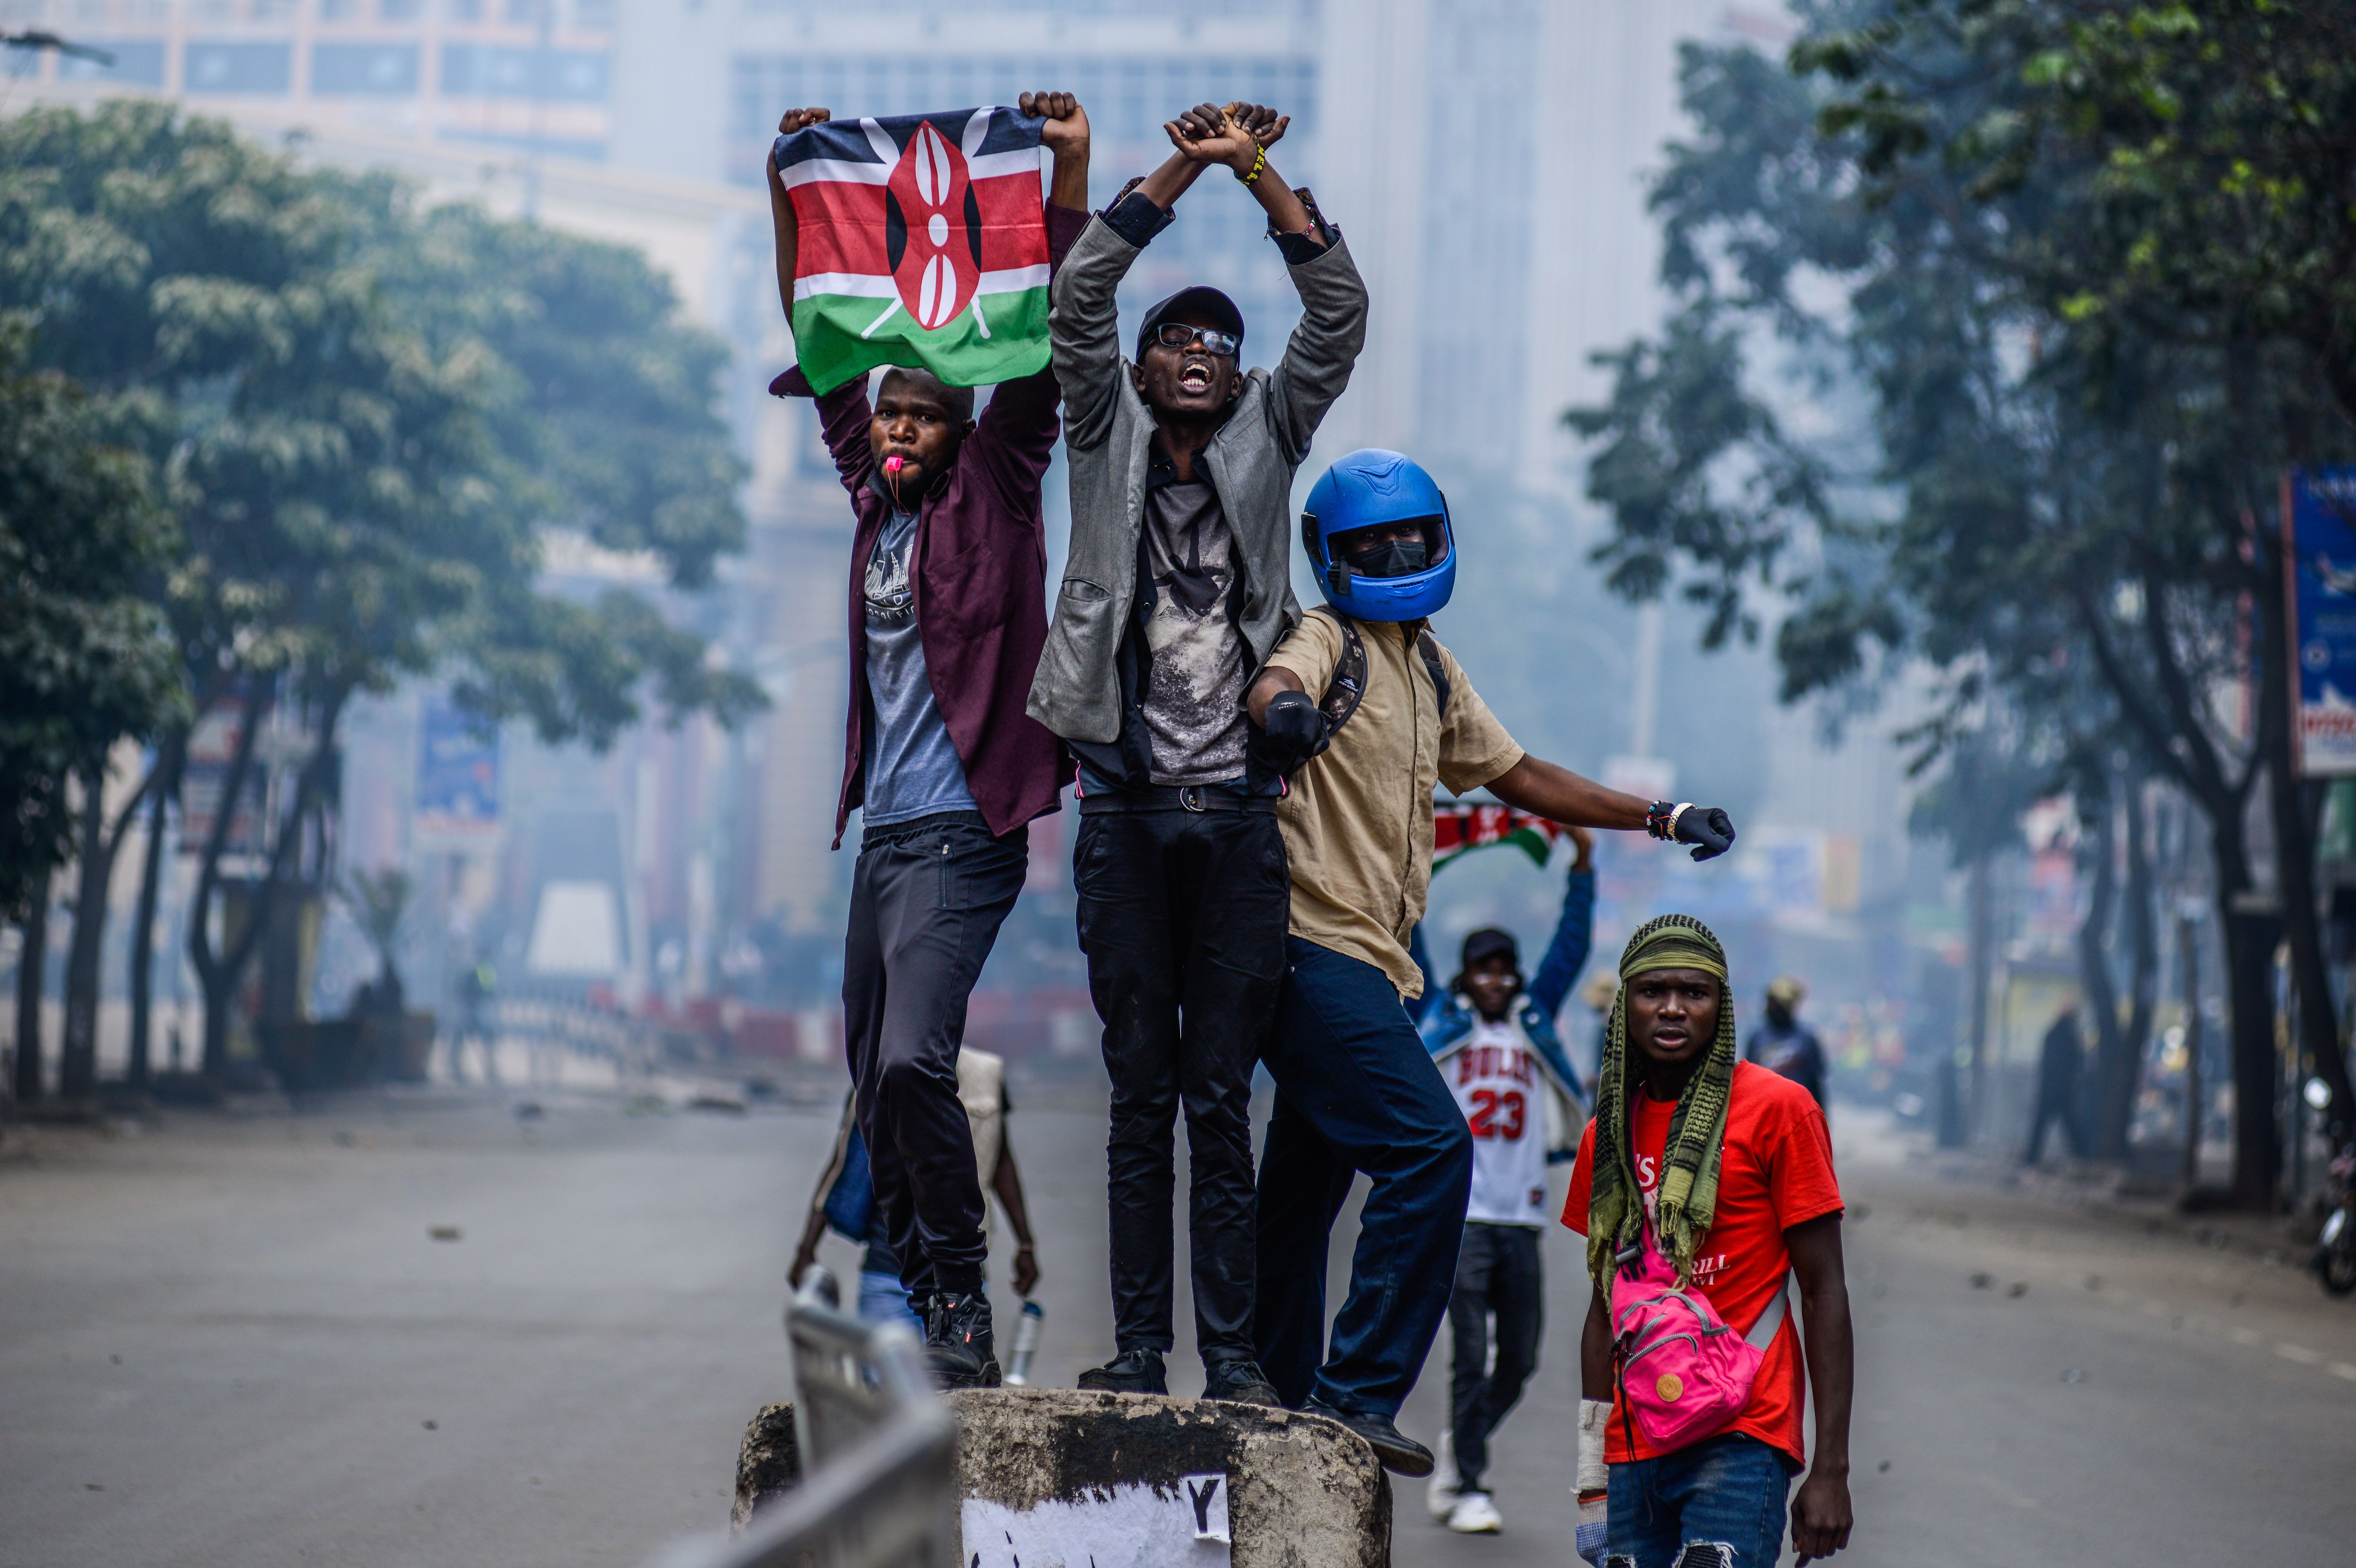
(1682, 1373)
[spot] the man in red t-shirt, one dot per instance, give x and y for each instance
(1745, 1162)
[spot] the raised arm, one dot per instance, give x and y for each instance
(842, 413)
(1544, 790)
(1574, 933)
(1016, 434)
(1324, 346)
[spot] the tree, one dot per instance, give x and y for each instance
(361, 494)
(83, 659)
(2056, 515)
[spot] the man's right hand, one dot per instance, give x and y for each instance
(802, 1263)
(1206, 134)
(794, 120)
(1295, 730)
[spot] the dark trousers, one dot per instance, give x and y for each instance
(1355, 1090)
(2053, 1108)
(926, 899)
(1498, 1275)
(1182, 916)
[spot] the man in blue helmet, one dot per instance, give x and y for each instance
(1375, 712)
(1179, 585)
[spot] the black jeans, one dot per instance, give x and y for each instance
(926, 899)
(1355, 1090)
(1497, 1273)
(1182, 916)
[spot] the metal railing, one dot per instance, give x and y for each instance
(880, 1447)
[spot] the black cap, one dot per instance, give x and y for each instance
(1203, 300)
(1487, 943)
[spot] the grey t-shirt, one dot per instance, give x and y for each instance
(1193, 702)
(912, 765)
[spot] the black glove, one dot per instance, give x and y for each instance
(1296, 731)
(1708, 828)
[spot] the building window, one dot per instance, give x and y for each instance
(221, 66)
(594, 16)
(485, 70)
(364, 71)
(138, 62)
(400, 10)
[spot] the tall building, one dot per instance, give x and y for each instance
(526, 74)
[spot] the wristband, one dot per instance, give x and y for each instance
(1260, 163)
(1660, 819)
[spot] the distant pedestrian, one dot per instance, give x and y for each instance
(1786, 1046)
(2061, 1065)
(1491, 1034)
(1701, 1185)
(844, 1200)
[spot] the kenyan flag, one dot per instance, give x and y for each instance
(922, 243)
(1460, 827)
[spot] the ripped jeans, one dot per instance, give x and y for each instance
(1721, 1503)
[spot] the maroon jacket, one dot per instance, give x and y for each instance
(979, 571)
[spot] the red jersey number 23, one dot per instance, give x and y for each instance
(1498, 1115)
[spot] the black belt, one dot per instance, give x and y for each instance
(1176, 797)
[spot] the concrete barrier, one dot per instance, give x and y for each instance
(1135, 1481)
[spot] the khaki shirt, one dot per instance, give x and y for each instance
(1357, 823)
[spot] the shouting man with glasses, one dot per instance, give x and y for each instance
(1178, 587)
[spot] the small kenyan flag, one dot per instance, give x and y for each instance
(1459, 828)
(922, 243)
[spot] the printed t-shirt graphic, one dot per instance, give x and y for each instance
(921, 242)
(1498, 1086)
(1776, 1172)
(1193, 696)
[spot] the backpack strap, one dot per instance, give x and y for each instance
(1428, 647)
(1763, 1333)
(1347, 687)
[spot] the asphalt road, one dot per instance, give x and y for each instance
(234, 1340)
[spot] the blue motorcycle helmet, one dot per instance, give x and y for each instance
(1393, 581)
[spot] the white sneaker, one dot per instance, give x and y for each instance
(1439, 1496)
(1475, 1515)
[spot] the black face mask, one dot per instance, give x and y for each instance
(1394, 557)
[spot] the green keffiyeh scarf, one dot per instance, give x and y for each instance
(1687, 1199)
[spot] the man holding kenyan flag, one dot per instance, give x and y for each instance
(919, 242)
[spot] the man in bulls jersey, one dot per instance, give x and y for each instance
(1493, 1035)
(948, 580)
(1179, 584)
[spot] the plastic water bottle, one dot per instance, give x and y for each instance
(1026, 1343)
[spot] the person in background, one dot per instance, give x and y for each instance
(1491, 1034)
(1724, 1170)
(844, 1200)
(947, 613)
(1178, 586)
(1785, 1045)
(2061, 1064)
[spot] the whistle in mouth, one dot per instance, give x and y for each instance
(894, 463)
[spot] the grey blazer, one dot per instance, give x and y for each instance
(1250, 463)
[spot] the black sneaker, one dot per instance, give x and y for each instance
(1241, 1381)
(1131, 1372)
(959, 1345)
(1400, 1454)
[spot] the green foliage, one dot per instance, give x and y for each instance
(83, 655)
(364, 418)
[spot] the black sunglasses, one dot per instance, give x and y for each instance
(1177, 335)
